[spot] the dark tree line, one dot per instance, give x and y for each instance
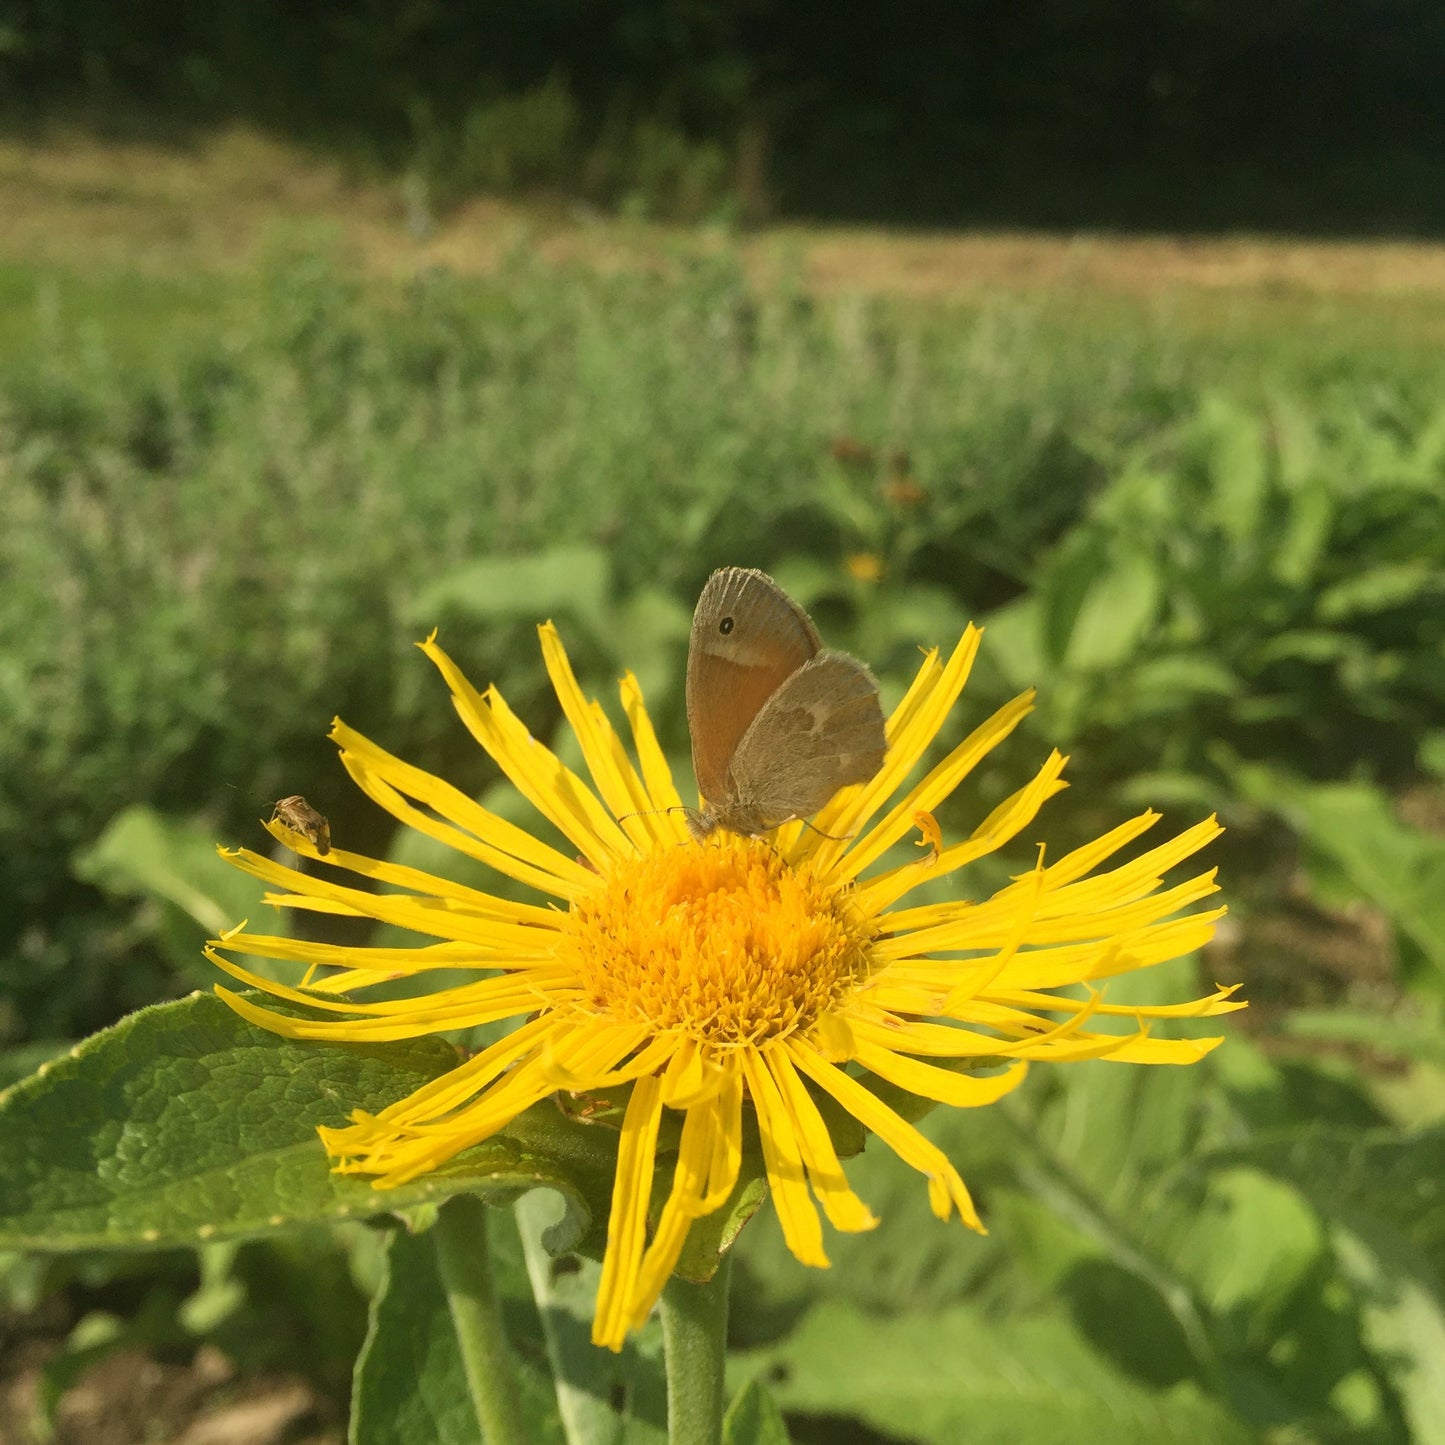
(1313, 113)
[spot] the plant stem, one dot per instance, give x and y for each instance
(465, 1263)
(694, 1343)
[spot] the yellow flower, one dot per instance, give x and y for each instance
(735, 974)
(864, 566)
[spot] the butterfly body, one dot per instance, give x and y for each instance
(779, 724)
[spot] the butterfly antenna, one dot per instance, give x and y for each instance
(831, 837)
(652, 812)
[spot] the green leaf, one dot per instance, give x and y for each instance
(1403, 1324)
(1182, 677)
(1383, 1191)
(184, 1123)
(143, 854)
(714, 1234)
(574, 581)
(959, 1376)
(1379, 1176)
(602, 1398)
(1115, 614)
(1432, 753)
(1017, 644)
(753, 1418)
(1304, 532)
(1249, 1244)
(410, 1384)
(1238, 465)
(1354, 826)
(1311, 645)
(1399, 584)
(1421, 1040)
(911, 1261)
(22, 1059)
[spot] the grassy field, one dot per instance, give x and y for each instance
(264, 424)
(215, 210)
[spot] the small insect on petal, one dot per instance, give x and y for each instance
(298, 815)
(932, 838)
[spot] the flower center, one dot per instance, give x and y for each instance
(723, 940)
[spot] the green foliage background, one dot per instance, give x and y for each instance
(1218, 552)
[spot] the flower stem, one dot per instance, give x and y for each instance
(465, 1263)
(694, 1343)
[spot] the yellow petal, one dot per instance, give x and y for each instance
(689, 1178)
(934, 788)
(627, 1223)
(1003, 824)
(475, 832)
(656, 774)
(618, 782)
(845, 1210)
(910, 730)
(784, 1162)
(946, 1191)
(963, 1091)
(536, 772)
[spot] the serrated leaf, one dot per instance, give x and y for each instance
(23, 1059)
(955, 1375)
(753, 1418)
(410, 1384)
(183, 1122)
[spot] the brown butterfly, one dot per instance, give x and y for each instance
(778, 723)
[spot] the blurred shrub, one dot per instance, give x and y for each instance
(1041, 115)
(1252, 582)
(535, 142)
(207, 558)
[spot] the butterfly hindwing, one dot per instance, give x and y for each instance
(821, 730)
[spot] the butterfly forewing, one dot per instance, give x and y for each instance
(823, 730)
(748, 638)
